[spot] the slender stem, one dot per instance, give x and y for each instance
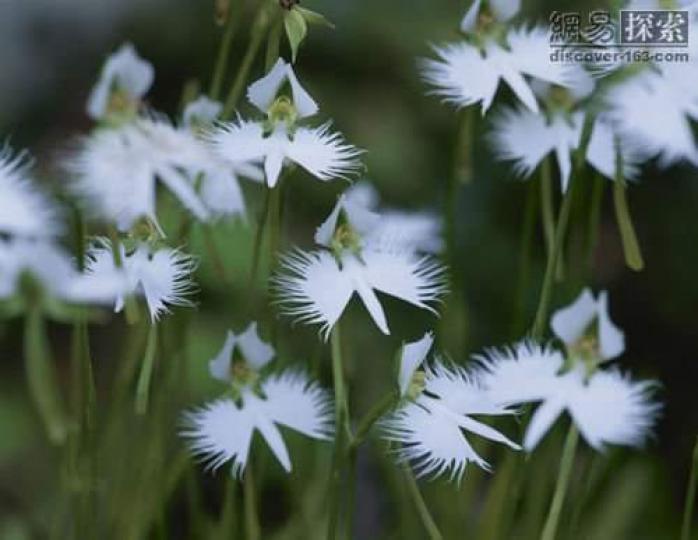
(143, 385)
(422, 509)
(463, 160)
(339, 415)
(259, 237)
(215, 254)
(552, 261)
(690, 497)
(631, 247)
(372, 416)
(42, 377)
(594, 219)
(351, 493)
(228, 511)
(259, 28)
(274, 220)
(223, 53)
(252, 530)
(547, 213)
(563, 480)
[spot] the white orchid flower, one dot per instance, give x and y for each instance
(607, 407)
(222, 430)
(162, 276)
(464, 74)
(430, 427)
(527, 138)
(24, 209)
(321, 152)
(124, 72)
(572, 323)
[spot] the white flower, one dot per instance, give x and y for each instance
(256, 353)
(222, 430)
(201, 111)
(263, 92)
(431, 428)
(162, 276)
(317, 287)
(278, 140)
(416, 231)
(571, 323)
(465, 74)
(54, 271)
(24, 210)
(502, 10)
(116, 171)
(607, 408)
(125, 72)
(652, 112)
(411, 357)
(526, 138)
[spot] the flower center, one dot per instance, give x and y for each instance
(417, 385)
(282, 111)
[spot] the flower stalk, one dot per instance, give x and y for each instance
(143, 385)
(252, 529)
(631, 246)
(421, 505)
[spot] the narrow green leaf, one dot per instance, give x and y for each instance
(313, 17)
(631, 246)
(296, 30)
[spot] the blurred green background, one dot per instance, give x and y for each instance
(364, 76)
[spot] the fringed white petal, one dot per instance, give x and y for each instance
(220, 432)
(412, 356)
(312, 288)
(530, 54)
(124, 70)
(613, 409)
(430, 441)
(461, 76)
(527, 372)
(24, 209)
(323, 153)
(294, 401)
(421, 281)
(239, 141)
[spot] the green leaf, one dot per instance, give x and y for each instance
(296, 30)
(313, 17)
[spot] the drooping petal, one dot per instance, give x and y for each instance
(412, 356)
(220, 432)
(270, 432)
(219, 365)
(613, 409)
(510, 71)
(277, 147)
(361, 219)
(530, 54)
(296, 402)
(256, 352)
(312, 288)
(541, 421)
(323, 153)
(124, 70)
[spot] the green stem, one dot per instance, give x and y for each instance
(422, 509)
(463, 161)
(372, 416)
(551, 264)
(42, 377)
(690, 497)
(563, 480)
(143, 385)
(223, 53)
(339, 419)
(631, 247)
(259, 28)
(252, 530)
(228, 516)
(547, 213)
(351, 493)
(214, 254)
(273, 44)
(274, 220)
(594, 219)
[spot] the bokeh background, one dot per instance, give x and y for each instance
(365, 78)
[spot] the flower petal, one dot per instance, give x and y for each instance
(322, 153)
(412, 356)
(256, 352)
(219, 365)
(611, 338)
(570, 323)
(543, 418)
